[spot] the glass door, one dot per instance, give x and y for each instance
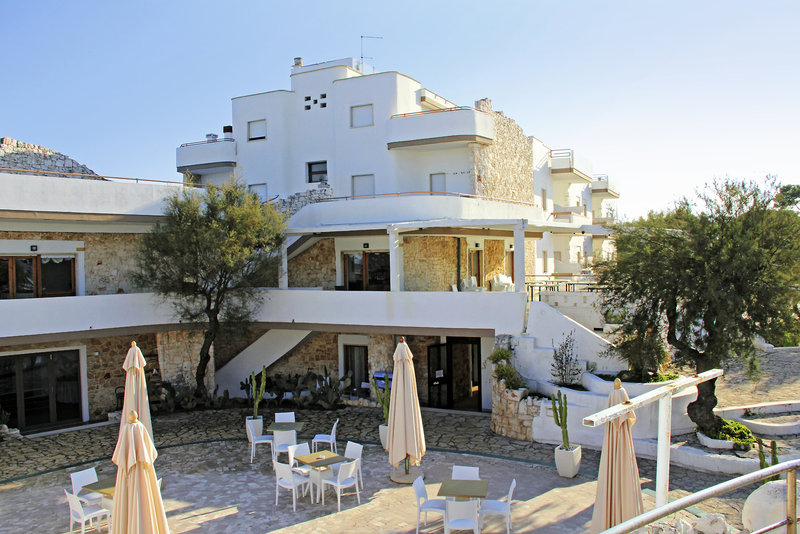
(439, 390)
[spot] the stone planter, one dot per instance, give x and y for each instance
(384, 434)
(711, 443)
(568, 461)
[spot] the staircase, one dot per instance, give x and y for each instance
(265, 351)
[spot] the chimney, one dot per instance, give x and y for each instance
(211, 137)
(298, 62)
(227, 132)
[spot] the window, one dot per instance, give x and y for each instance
(544, 199)
(257, 130)
(317, 171)
(557, 255)
(545, 268)
(355, 359)
(366, 271)
(475, 266)
(36, 276)
(438, 184)
(361, 116)
(363, 185)
(259, 190)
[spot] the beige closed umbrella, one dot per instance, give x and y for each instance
(135, 397)
(406, 436)
(138, 506)
(619, 492)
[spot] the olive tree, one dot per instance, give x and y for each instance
(710, 279)
(207, 258)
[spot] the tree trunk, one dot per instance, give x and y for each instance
(205, 357)
(701, 411)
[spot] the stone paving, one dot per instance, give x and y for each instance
(203, 457)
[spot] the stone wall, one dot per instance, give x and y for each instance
(291, 205)
(108, 258)
(430, 263)
(178, 355)
(512, 412)
(494, 255)
(504, 169)
(419, 348)
(18, 155)
(314, 353)
(315, 266)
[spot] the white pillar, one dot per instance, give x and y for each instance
(395, 263)
(283, 274)
(519, 256)
(662, 458)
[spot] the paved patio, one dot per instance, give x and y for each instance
(210, 486)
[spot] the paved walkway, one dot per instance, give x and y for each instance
(210, 485)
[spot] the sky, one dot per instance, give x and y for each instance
(662, 97)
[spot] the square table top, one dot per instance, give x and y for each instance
(464, 488)
(104, 486)
(298, 426)
(321, 459)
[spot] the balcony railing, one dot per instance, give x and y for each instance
(208, 154)
(207, 141)
(450, 125)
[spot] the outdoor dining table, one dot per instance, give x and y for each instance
(104, 486)
(464, 489)
(320, 463)
(298, 426)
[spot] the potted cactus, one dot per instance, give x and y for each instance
(384, 397)
(568, 459)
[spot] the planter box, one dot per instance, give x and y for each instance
(568, 462)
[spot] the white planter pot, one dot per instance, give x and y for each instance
(568, 461)
(384, 433)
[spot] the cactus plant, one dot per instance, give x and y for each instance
(762, 459)
(560, 416)
(384, 397)
(258, 389)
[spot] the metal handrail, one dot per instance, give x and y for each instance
(38, 172)
(431, 193)
(561, 153)
(790, 468)
(429, 111)
(207, 141)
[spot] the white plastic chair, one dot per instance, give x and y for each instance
(255, 435)
(353, 451)
(325, 438)
(461, 515)
(347, 477)
(424, 504)
(462, 472)
(79, 480)
(489, 506)
(81, 514)
(288, 479)
(281, 441)
(299, 450)
(284, 417)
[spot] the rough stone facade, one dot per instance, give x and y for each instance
(178, 355)
(419, 348)
(315, 266)
(313, 354)
(494, 255)
(504, 169)
(18, 155)
(291, 205)
(430, 263)
(108, 258)
(512, 411)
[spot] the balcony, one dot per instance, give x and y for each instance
(445, 128)
(206, 155)
(565, 166)
(603, 188)
(572, 214)
(435, 313)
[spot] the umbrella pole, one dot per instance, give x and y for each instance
(406, 462)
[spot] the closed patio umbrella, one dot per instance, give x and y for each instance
(406, 436)
(619, 493)
(138, 506)
(135, 397)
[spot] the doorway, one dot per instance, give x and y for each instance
(454, 374)
(41, 390)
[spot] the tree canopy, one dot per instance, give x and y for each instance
(208, 257)
(709, 279)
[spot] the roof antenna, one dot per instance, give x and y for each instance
(363, 57)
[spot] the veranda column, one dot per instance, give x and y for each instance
(283, 275)
(519, 256)
(395, 260)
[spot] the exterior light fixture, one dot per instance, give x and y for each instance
(366, 245)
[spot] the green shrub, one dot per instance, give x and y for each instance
(739, 434)
(565, 368)
(504, 370)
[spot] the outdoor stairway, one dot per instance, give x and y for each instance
(265, 351)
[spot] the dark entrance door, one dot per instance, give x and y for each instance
(439, 391)
(41, 390)
(454, 374)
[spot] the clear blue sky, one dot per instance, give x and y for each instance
(662, 98)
